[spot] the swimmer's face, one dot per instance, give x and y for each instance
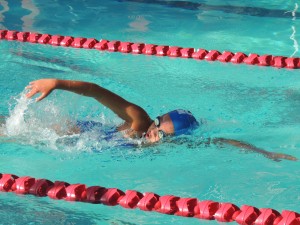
(162, 127)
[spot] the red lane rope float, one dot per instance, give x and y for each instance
(151, 49)
(131, 199)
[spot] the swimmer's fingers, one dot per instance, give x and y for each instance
(44, 86)
(288, 157)
(30, 85)
(278, 156)
(42, 96)
(32, 92)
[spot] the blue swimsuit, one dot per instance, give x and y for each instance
(105, 132)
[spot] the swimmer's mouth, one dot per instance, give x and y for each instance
(145, 135)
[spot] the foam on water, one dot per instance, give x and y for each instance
(31, 123)
(15, 123)
(46, 124)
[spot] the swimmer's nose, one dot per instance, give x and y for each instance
(151, 135)
(154, 135)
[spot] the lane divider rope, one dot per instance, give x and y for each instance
(130, 199)
(151, 49)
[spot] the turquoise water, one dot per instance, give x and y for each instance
(258, 105)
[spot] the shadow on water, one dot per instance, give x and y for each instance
(46, 213)
(51, 64)
(241, 10)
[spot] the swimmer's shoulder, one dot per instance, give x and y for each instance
(139, 119)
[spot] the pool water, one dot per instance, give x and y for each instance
(257, 105)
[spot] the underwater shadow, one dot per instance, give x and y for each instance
(240, 10)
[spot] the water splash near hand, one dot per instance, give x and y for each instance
(15, 124)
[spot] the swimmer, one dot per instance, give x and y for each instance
(137, 123)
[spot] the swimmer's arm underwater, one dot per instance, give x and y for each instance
(134, 116)
(245, 146)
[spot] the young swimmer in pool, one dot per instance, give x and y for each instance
(137, 123)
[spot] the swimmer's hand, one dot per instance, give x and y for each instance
(44, 86)
(249, 147)
(278, 156)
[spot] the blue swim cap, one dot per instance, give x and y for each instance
(184, 121)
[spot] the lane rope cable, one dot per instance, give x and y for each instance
(151, 49)
(130, 199)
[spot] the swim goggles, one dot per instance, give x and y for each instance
(161, 134)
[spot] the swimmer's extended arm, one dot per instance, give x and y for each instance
(249, 147)
(134, 115)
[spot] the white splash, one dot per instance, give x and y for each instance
(48, 124)
(15, 123)
(30, 122)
